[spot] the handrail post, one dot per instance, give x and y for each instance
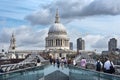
(99, 76)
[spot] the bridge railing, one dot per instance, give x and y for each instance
(28, 62)
(77, 73)
(40, 72)
(34, 73)
(10, 67)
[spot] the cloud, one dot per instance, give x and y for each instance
(102, 7)
(102, 42)
(75, 9)
(29, 38)
(26, 37)
(42, 17)
(93, 41)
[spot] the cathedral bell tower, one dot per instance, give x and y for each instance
(12, 42)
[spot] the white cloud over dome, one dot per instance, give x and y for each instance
(75, 9)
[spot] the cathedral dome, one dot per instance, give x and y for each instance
(57, 35)
(57, 28)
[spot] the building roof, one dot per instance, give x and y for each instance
(57, 27)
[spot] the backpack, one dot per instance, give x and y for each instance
(112, 69)
(98, 66)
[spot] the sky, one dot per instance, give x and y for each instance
(96, 21)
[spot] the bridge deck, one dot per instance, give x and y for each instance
(70, 73)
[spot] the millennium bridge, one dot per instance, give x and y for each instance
(52, 72)
(29, 70)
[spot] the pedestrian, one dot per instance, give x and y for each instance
(62, 62)
(83, 63)
(51, 60)
(98, 65)
(54, 61)
(38, 62)
(58, 62)
(74, 62)
(109, 66)
(65, 62)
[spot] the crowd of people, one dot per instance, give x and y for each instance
(107, 66)
(63, 62)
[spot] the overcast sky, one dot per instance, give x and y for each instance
(96, 21)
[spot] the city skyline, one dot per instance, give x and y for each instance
(96, 21)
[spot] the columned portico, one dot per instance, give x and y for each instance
(57, 43)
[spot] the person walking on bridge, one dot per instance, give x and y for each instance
(109, 66)
(74, 62)
(83, 63)
(99, 65)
